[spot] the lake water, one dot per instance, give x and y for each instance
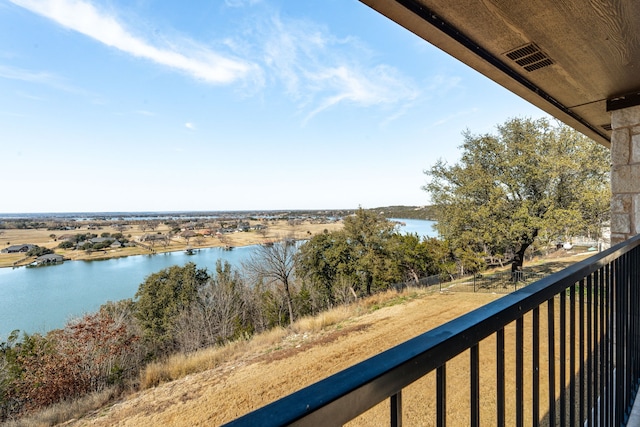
(45, 298)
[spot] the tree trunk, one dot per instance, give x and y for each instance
(415, 276)
(369, 283)
(518, 261)
(289, 302)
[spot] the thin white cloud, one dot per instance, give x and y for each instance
(27, 75)
(39, 77)
(442, 84)
(378, 86)
(197, 61)
(321, 71)
(190, 126)
(454, 116)
(29, 96)
(241, 3)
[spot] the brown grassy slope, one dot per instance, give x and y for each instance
(237, 387)
(273, 366)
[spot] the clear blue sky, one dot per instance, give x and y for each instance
(150, 105)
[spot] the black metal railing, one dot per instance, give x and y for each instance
(577, 365)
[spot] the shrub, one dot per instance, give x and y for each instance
(38, 251)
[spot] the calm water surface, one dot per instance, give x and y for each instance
(45, 298)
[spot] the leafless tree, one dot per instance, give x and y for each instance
(274, 265)
(217, 314)
(187, 235)
(263, 231)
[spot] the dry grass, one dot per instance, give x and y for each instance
(323, 320)
(277, 363)
(181, 365)
(63, 412)
(250, 374)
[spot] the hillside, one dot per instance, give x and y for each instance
(250, 374)
(279, 367)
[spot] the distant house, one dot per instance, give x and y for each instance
(152, 237)
(18, 248)
(49, 259)
(101, 239)
(189, 234)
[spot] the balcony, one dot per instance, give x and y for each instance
(563, 351)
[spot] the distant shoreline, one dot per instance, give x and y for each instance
(400, 211)
(171, 231)
(128, 215)
(139, 232)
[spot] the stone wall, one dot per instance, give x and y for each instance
(625, 174)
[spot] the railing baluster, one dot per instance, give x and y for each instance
(441, 396)
(589, 350)
(610, 342)
(602, 291)
(519, 372)
(632, 329)
(572, 356)
(596, 347)
(396, 409)
(627, 339)
(619, 342)
(535, 406)
(551, 325)
(581, 331)
(475, 385)
(634, 320)
(563, 358)
(635, 273)
(500, 378)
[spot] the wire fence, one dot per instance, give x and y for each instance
(501, 282)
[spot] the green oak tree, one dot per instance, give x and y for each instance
(162, 297)
(367, 253)
(413, 257)
(532, 179)
(367, 235)
(323, 260)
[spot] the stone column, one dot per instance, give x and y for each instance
(625, 173)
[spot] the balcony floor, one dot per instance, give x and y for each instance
(634, 418)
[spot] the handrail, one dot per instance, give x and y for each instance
(347, 394)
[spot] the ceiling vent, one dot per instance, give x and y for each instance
(606, 127)
(529, 57)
